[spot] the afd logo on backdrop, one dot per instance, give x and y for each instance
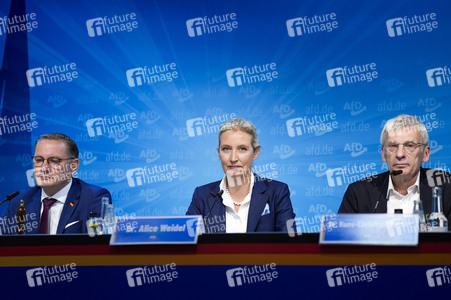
(15, 24)
(50, 75)
(438, 276)
(111, 25)
(211, 25)
(311, 25)
(351, 75)
(248, 75)
(408, 25)
(207, 125)
(438, 76)
(150, 75)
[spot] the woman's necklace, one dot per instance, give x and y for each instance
(234, 202)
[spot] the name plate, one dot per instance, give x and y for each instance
(157, 230)
(370, 229)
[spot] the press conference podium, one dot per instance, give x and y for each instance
(222, 266)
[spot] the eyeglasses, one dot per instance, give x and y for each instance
(52, 161)
(409, 147)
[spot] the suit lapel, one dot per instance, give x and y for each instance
(425, 193)
(258, 203)
(34, 207)
(68, 209)
(216, 221)
(382, 207)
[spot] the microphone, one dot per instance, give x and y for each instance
(393, 173)
(10, 197)
(219, 194)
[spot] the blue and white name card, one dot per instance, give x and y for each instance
(157, 230)
(370, 229)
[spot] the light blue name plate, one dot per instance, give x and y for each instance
(370, 229)
(157, 230)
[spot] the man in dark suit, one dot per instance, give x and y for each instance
(404, 141)
(59, 204)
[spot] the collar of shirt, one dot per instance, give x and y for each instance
(398, 201)
(227, 198)
(412, 189)
(236, 222)
(60, 196)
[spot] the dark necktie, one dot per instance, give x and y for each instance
(44, 226)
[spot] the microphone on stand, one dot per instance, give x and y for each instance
(393, 173)
(219, 194)
(10, 197)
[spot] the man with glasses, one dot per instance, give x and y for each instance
(63, 203)
(404, 141)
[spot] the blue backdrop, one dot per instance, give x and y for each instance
(142, 87)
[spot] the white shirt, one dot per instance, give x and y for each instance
(236, 222)
(57, 207)
(398, 201)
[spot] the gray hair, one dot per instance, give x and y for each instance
(405, 122)
(71, 146)
(243, 125)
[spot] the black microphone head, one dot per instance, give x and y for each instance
(10, 196)
(219, 194)
(396, 172)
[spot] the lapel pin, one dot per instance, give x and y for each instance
(72, 204)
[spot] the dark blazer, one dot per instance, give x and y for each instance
(266, 191)
(86, 198)
(361, 196)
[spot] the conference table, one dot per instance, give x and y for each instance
(222, 266)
